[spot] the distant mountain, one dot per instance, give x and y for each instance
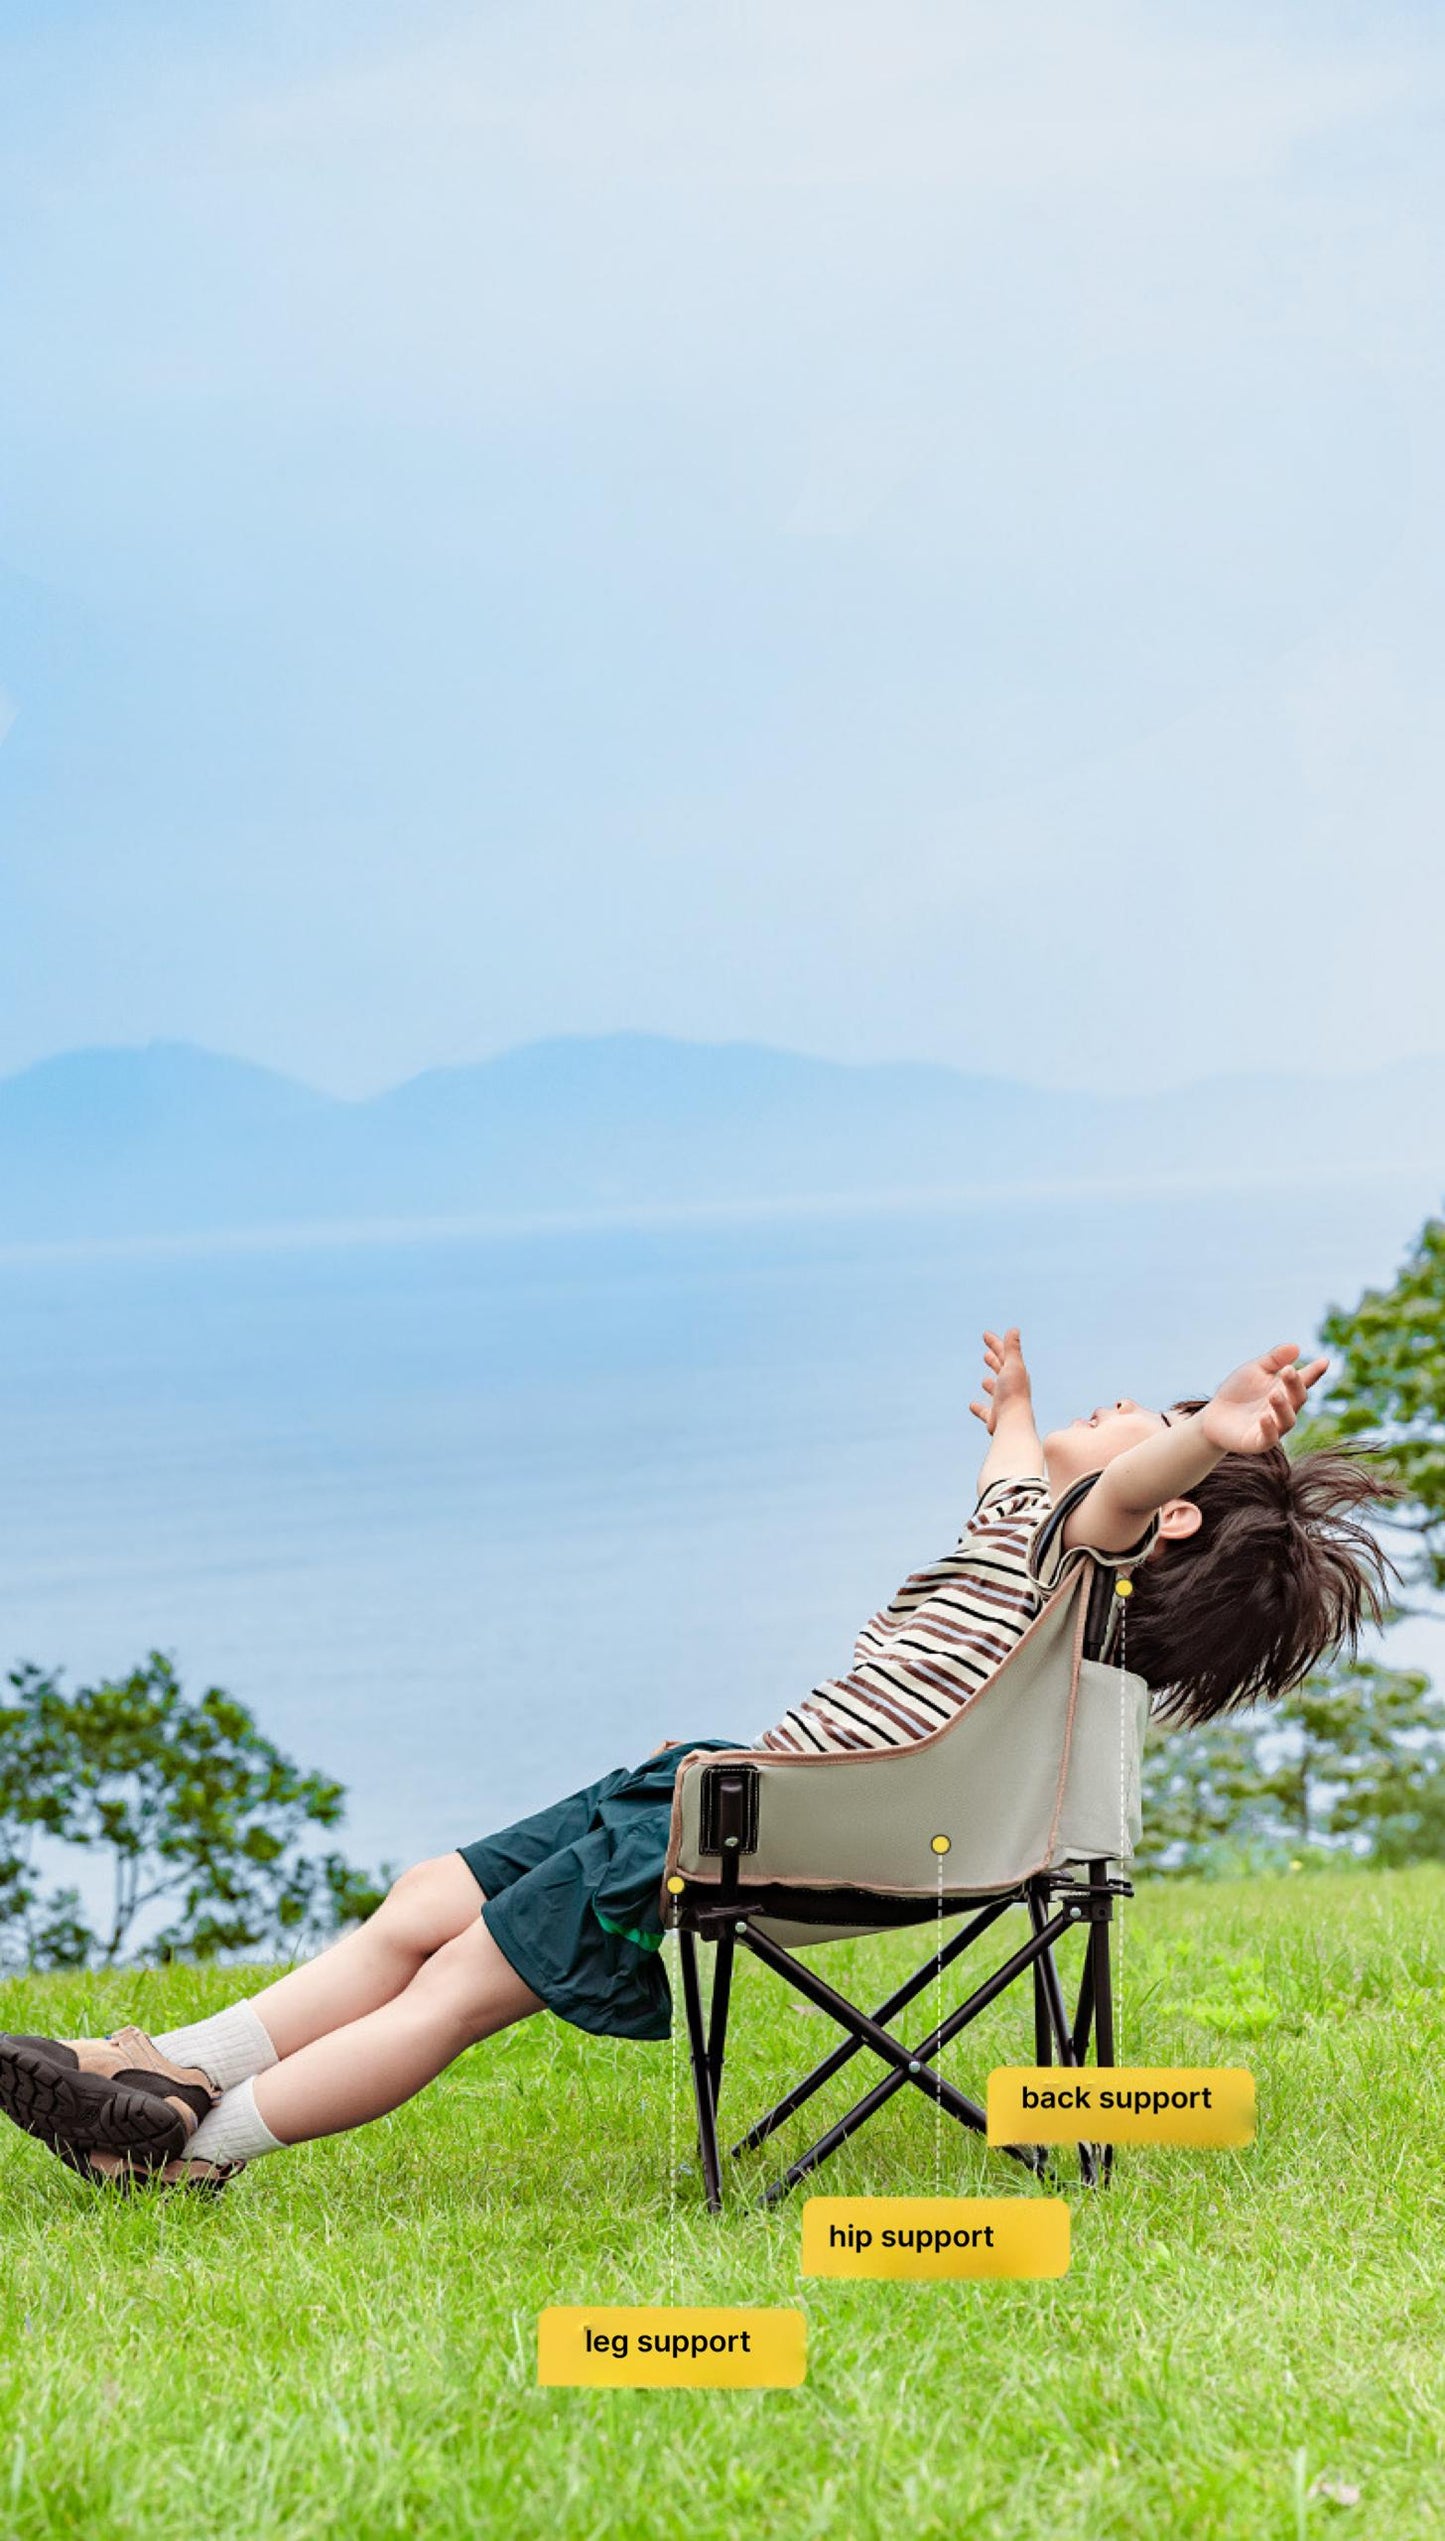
(172, 1140)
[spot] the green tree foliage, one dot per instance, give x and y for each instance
(1199, 1796)
(1388, 1382)
(200, 1818)
(1351, 1763)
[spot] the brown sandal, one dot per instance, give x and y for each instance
(112, 2095)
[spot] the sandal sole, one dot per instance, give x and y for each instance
(130, 2182)
(62, 2106)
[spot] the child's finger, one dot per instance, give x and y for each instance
(979, 1413)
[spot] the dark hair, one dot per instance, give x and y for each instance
(1280, 1575)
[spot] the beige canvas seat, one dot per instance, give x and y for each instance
(1029, 1796)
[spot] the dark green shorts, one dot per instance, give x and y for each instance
(574, 1897)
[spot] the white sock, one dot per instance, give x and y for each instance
(235, 2131)
(230, 2046)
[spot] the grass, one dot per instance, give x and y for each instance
(344, 2343)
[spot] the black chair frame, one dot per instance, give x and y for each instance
(725, 1913)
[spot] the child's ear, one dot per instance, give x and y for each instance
(1179, 1518)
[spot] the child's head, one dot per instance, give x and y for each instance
(1092, 1441)
(1278, 1575)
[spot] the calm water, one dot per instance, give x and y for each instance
(470, 1520)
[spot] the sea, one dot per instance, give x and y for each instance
(468, 1515)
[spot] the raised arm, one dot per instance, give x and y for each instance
(1251, 1412)
(1008, 1412)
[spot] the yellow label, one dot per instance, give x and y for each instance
(935, 2236)
(670, 2347)
(1121, 2104)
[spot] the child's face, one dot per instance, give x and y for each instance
(1096, 1438)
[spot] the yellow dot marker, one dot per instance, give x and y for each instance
(1123, 1588)
(675, 1886)
(943, 1844)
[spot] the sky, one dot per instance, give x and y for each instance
(900, 530)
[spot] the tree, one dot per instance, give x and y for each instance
(1201, 1799)
(39, 1931)
(1358, 1760)
(1388, 1382)
(1351, 1763)
(201, 1817)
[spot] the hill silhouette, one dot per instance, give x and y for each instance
(172, 1140)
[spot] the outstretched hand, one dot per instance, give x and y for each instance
(1255, 1407)
(1007, 1385)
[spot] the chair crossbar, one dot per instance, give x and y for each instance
(867, 2031)
(1033, 1952)
(886, 2011)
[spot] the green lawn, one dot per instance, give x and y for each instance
(344, 2343)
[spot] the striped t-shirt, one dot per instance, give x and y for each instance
(925, 1654)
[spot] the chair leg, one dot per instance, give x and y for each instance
(1047, 1986)
(702, 2082)
(1043, 2023)
(1084, 2012)
(1100, 1972)
(1043, 2027)
(717, 2019)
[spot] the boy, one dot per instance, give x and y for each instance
(1251, 1569)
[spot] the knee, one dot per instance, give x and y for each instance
(430, 1903)
(470, 1988)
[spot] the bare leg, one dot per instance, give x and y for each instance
(428, 1906)
(465, 1991)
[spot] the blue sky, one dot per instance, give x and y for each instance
(910, 529)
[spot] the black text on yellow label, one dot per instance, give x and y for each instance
(671, 2346)
(935, 2236)
(1121, 2104)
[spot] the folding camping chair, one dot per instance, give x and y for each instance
(1028, 1797)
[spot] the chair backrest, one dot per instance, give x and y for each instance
(1040, 1769)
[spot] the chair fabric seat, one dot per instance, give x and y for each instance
(1040, 1769)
